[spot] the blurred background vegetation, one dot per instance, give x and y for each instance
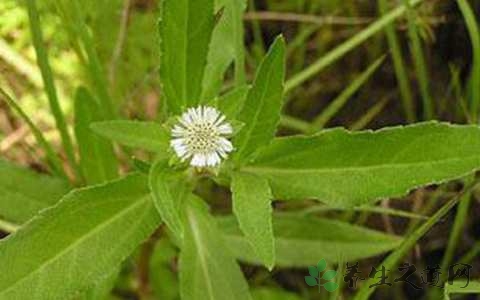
(422, 67)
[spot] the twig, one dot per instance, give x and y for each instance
(122, 32)
(13, 138)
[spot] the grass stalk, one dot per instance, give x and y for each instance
(371, 113)
(49, 84)
(420, 64)
(347, 46)
(52, 159)
(474, 33)
(97, 75)
(399, 66)
(332, 109)
(409, 242)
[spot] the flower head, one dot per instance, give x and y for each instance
(201, 136)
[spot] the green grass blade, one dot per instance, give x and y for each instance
(97, 157)
(333, 108)
(372, 112)
(50, 89)
(258, 45)
(52, 158)
(74, 15)
(407, 244)
(346, 46)
(458, 287)
(456, 231)
(399, 67)
(474, 32)
(372, 209)
(420, 64)
(295, 124)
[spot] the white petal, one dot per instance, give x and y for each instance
(225, 145)
(225, 129)
(178, 131)
(213, 159)
(199, 160)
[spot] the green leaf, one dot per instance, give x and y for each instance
(23, 192)
(264, 293)
(226, 46)
(344, 168)
(253, 208)
(329, 275)
(331, 286)
(207, 268)
(300, 240)
(261, 112)
(169, 190)
(71, 246)
(145, 135)
(313, 271)
(163, 278)
(97, 158)
(101, 289)
(185, 30)
(232, 102)
(321, 265)
(311, 281)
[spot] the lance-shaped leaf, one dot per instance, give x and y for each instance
(207, 268)
(71, 246)
(144, 135)
(185, 30)
(253, 208)
(169, 189)
(97, 159)
(265, 293)
(226, 46)
(24, 192)
(261, 111)
(232, 102)
(344, 168)
(101, 289)
(300, 241)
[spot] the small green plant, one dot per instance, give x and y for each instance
(314, 279)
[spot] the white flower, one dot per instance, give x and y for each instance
(201, 136)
